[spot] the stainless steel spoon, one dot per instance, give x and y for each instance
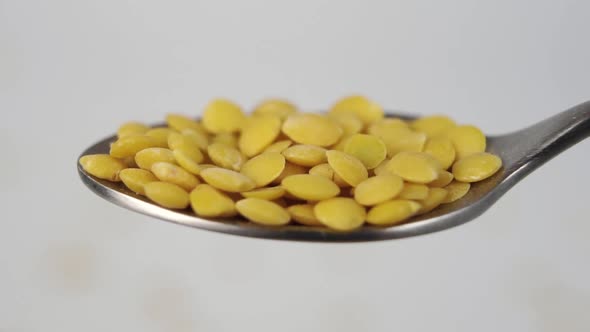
(522, 152)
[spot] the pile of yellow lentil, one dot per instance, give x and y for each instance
(339, 170)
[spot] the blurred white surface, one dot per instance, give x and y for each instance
(71, 71)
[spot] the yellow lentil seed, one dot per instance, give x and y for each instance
(135, 179)
(456, 190)
(310, 187)
(341, 143)
(476, 167)
(303, 214)
(132, 129)
(258, 133)
(198, 137)
(168, 172)
(378, 189)
(315, 129)
(228, 139)
(206, 201)
(290, 169)
(340, 182)
(442, 149)
(466, 140)
(366, 110)
(435, 198)
(227, 180)
(147, 157)
(279, 146)
(369, 149)
(268, 193)
(264, 168)
(103, 166)
(414, 191)
(276, 107)
(444, 178)
(225, 156)
(222, 116)
(181, 122)
(177, 139)
(386, 126)
(349, 122)
(305, 155)
(381, 169)
(263, 212)
(392, 212)
(128, 146)
(167, 195)
(403, 141)
(349, 168)
(340, 213)
(324, 170)
(189, 158)
(433, 125)
(160, 135)
(415, 167)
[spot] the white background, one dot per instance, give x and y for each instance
(72, 71)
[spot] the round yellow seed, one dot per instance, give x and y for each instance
(167, 194)
(290, 169)
(268, 193)
(128, 146)
(264, 168)
(378, 189)
(279, 146)
(132, 129)
(103, 166)
(444, 178)
(433, 125)
(392, 212)
(189, 158)
(349, 122)
(303, 214)
(369, 149)
(403, 141)
(207, 201)
(225, 156)
(147, 157)
(414, 191)
(276, 107)
(176, 139)
(456, 190)
(476, 167)
(349, 168)
(258, 133)
(415, 167)
(381, 169)
(442, 149)
(135, 179)
(323, 170)
(160, 135)
(263, 212)
(222, 116)
(200, 138)
(466, 140)
(181, 122)
(366, 110)
(386, 126)
(228, 139)
(340, 213)
(310, 187)
(227, 180)
(435, 198)
(305, 155)
(168, 172)
(307, 128)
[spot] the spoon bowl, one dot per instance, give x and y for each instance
(522, 152)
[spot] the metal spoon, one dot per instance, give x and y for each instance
(522, 152)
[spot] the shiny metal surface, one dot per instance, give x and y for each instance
(522, 152)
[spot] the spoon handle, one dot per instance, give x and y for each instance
(525, 150)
